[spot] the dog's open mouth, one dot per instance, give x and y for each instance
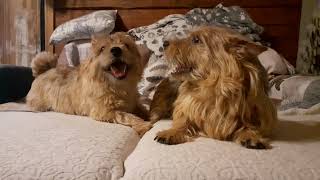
(119, 69)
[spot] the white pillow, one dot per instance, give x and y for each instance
(83, 27)
(74, 53)
(274, 63)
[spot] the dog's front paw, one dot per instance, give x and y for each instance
(254, 143)
(171, 137)
(142, 128)
(251, 139)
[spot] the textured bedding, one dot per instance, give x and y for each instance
(59, 146)
(296, 91)
(295, 155)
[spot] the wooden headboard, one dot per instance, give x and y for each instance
(280, 18)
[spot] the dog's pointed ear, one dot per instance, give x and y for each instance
(94, 39)
(240, 46)
(96, 44)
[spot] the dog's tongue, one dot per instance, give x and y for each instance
(119, 70)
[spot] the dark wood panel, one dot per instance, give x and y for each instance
(49, 23)
(19, 31)
(2, 34)
(288, 48)
(283, 38)
(281, 31)
(62, 16)
(139, 17)
(172, 3)
(126, 19)
(283, 15)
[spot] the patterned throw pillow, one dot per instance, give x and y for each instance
(83, 27)
(154, 72)
(152, 36)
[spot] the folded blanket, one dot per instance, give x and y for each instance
(233, 17)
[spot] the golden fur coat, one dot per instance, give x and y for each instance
(104, 87)
(222, 92)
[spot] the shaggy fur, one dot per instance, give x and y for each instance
(104, 87)
(223, 91)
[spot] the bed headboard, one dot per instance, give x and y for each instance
(280, 18)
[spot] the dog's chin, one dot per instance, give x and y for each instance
(118, 69)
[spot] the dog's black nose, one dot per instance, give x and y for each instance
(165, 44)
(116, 51)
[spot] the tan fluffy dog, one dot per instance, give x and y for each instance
(222, 90)
(104, 87)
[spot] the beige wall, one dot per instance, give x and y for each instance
(304, 65)
(308, 7)
(19, 31)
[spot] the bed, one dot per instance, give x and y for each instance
(53, 145)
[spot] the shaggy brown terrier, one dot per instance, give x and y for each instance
(104, 87)
(222, 90)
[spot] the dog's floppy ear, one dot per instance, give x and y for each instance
(243, 47)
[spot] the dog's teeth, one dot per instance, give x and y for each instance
(171, 71)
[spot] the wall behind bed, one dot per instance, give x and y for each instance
(19, 31)
(280, 18)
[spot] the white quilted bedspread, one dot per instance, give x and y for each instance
(295, 155)
(58, 146)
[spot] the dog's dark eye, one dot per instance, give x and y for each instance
(195, 40)
(127, 45)
(102, 48)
